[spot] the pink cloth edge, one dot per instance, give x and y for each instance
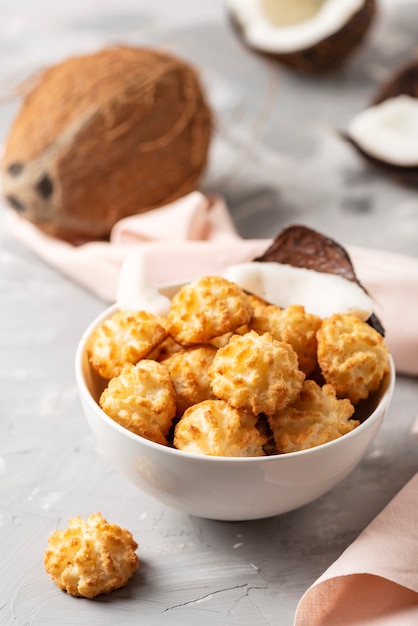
(378, 551)
(80, 264)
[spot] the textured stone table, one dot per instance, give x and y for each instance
(277, 159)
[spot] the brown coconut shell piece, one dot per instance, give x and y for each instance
(301, 246)
(404, 175)
(329, 54)
(103, 136)
(403, 82)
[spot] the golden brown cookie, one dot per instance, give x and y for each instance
(91, 557)
(190, 376)
(291, 325)
(126, 337)
(352, 355)
(207, 308)
(215, 428)
(314, 418)
(256, 373)
(142, 399)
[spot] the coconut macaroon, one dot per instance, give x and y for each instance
(190, 376)
(315, 417)
(142, 399)
(126, 337)
(352, 355)
(292, 325)
(207, 308)
(215, 428)
(256, 373)
(91, 557)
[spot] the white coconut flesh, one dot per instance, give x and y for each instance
(389, 131)
(320, 293)
(287, 26)
(136, 291)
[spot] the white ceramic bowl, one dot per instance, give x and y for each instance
(225, 488)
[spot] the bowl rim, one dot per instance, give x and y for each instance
(85, 393)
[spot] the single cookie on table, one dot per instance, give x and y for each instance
(256, 373)
(292, 325)
(190, 376)
(352, 355)
(207, 308)
(91, 557)
(315, 417)
(142, 399)
(215, 428)
(126, 337)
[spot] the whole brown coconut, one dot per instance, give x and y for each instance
(104, 136)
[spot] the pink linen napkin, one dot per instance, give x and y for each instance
(186, 239)
(195, 235)
(375, 581)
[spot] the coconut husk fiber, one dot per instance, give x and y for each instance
(327, 55)
(103, 136)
